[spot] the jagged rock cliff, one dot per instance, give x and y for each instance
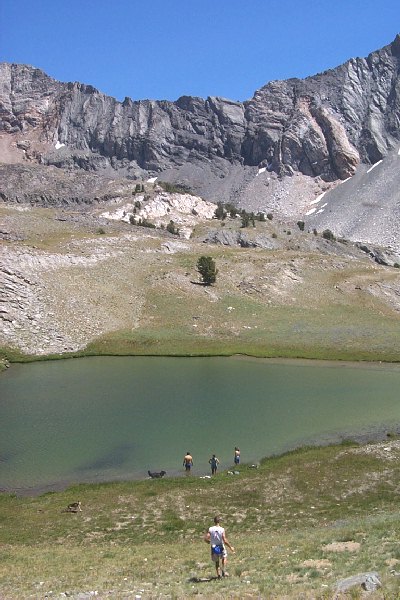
(321, 127)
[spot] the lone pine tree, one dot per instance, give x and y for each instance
(206, 268)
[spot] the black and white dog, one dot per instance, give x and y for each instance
(155, 475)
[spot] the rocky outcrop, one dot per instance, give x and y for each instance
(183, 210)
(48, 186)
(322, 126)
(239, 238)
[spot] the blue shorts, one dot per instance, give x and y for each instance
(215, 557)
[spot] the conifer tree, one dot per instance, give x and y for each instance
(207, 269)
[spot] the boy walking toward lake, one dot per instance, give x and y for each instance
(217, 538)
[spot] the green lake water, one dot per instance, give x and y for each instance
(98, 419)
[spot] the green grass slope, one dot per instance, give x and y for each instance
(299, 523)
(70, 291)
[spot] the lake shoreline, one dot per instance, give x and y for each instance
(378, 435)
(112, 418)
(8, 358)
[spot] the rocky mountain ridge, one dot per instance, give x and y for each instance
(319, 129)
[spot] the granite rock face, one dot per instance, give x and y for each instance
(322, 126)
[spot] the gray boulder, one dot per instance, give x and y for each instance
(367, 581)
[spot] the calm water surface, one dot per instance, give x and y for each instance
(97, 419)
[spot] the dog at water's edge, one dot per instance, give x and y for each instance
(156, 475)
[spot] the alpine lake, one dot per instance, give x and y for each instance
(111, 418)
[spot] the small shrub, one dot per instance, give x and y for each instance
(220, 212)
(314, 574)
(245, 219)
(328, 235)
(100, 231)
(396, 265)
(274, 236)
(146, 223)
(171, 228)
(300, 225)
(270, 216)
(231, 209)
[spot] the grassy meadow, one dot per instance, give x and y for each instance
(299, 523)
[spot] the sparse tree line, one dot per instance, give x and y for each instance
(171, 188)
(224, 210)
(143, 222)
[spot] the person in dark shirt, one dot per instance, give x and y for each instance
(214, 462)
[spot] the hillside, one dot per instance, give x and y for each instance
(84, 278)
(301, 525)
(365, 207)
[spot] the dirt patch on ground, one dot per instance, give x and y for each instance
(278, 490)
(320, 564)
(342, 547)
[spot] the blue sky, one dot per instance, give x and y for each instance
(163, 49)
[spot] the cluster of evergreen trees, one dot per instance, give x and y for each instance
(248, 218)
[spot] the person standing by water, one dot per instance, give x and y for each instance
(188, 461)
(214, 462)
(237, 456)
(217, 538)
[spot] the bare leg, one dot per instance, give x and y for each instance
(223, 566)
(217, 568)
